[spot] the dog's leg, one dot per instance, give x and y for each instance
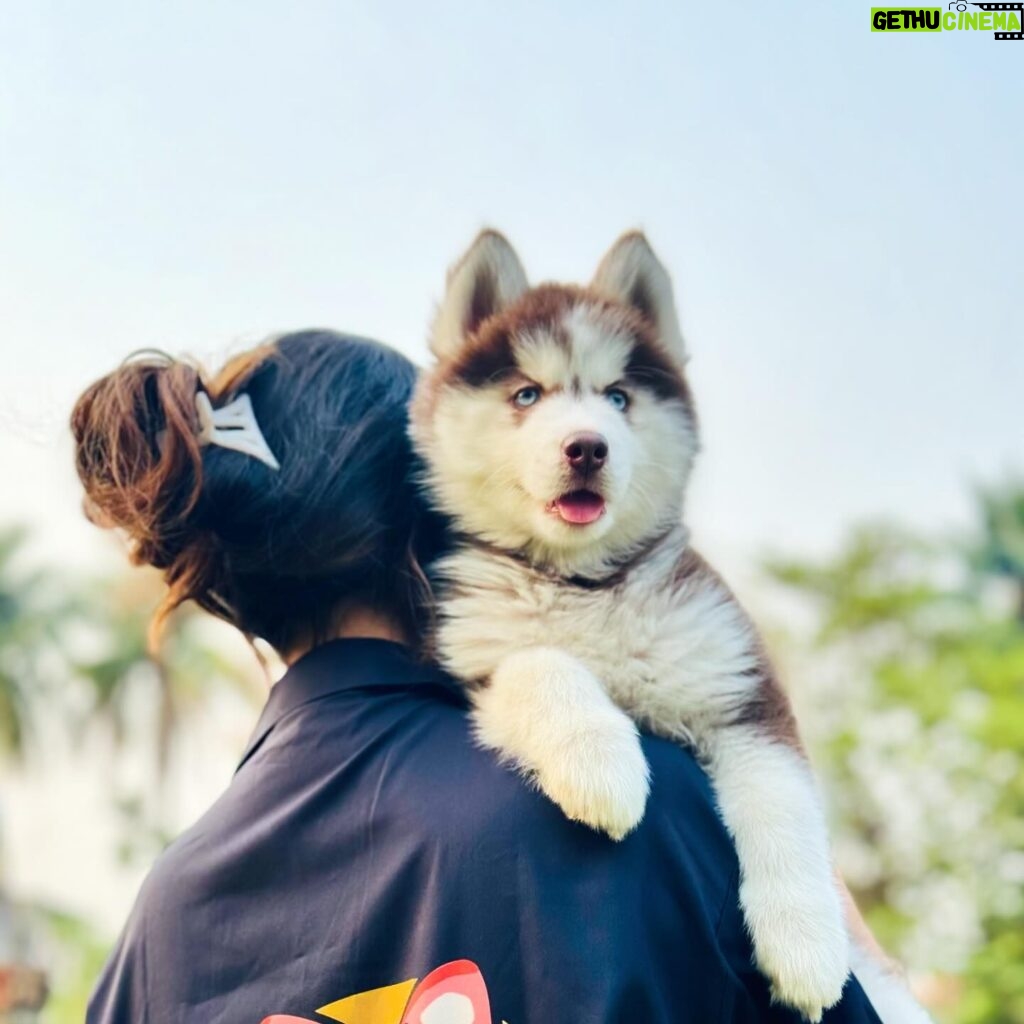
(788, 894)
(549, 714)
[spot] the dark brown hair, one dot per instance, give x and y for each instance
(277, 553)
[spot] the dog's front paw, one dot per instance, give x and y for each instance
(599, 777)
(801, 946)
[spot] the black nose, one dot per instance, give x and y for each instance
(585, 452)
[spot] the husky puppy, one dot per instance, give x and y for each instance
(558, 432)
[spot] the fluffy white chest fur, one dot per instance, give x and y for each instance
(666, 638)
(558, 432)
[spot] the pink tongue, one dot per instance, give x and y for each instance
(580, 507)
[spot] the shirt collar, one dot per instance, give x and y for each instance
(353, 663)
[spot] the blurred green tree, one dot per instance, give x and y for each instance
(910, 686)
(999, 550)
(26, 622)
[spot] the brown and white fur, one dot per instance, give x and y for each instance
(558, 432)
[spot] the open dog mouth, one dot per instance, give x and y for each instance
(578, 507)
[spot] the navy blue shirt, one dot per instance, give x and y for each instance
(365, 842)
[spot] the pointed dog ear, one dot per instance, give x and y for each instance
(488, 278)
(631, 274)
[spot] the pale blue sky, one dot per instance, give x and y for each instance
(841, 210)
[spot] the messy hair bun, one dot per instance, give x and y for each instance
(274, 552)
(137, 454)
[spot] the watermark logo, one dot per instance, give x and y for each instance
(1003, 19)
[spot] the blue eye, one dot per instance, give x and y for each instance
(525, 397)
(618, 398)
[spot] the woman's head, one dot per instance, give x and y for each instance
(282, 553)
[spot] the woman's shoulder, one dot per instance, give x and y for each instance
(446, 781)
(459, 799)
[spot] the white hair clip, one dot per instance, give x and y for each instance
(233, 426)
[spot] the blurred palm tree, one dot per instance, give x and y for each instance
(146, 700)
(182, 677)
(77, 649)
(27, 603)
(87, 640)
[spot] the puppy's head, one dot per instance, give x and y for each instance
(557, 420)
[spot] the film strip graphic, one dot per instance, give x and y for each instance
(1018, 7)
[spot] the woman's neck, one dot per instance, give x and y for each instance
(355, 623)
